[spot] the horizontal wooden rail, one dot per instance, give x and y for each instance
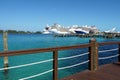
(107, 43)
(34, 51)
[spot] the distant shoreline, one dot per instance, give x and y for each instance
(20, 32)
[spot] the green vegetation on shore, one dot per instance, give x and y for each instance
(21, 32)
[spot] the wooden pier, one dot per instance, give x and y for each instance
(105, 35)
(105, 72)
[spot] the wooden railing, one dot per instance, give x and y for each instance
(93, 54)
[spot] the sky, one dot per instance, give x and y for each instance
(34, 15)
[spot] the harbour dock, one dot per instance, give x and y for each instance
(106, 35)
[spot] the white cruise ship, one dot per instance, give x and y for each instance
(75, 29)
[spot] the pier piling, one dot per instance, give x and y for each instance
(5, 35)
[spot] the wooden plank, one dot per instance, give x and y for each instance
(105, 72)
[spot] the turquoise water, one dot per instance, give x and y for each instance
(31, 41)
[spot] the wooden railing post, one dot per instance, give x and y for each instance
(55, 65)
(5, 35)
(93, 55)
(119, 53)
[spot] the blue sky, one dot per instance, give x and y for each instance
(33, 15)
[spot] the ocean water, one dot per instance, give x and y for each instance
(31, 41)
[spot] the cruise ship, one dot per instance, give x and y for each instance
(74, 29)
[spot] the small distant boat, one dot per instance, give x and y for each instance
(46, 31)
(111, 30)
(81, 31)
